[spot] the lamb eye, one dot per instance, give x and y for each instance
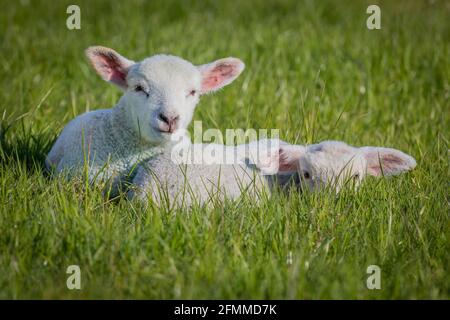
(306, 175)
(140, 88)
(192, 93)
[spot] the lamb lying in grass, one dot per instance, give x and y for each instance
(329, 163)
(160, 95)
(192, 181)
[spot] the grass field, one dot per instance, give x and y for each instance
(314, 71)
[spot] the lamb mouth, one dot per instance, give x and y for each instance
(159, 130)
(164, 131)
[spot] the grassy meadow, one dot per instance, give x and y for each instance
(314, 71)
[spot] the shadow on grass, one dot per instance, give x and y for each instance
(24, 146)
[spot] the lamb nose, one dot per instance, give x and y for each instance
(171, 121)
(163, 118)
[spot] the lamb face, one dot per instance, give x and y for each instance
(161, 92)
(161, 95)
(332, 164)
(335, 164)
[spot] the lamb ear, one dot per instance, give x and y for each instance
(289, 156)
(284, 159)
(110, 65)
(219, 73)
(387, 161)
(272, 157)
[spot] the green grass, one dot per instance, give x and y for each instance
(314, 71)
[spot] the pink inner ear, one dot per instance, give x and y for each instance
(286, 162)
(218, 76)
(374, 170)
(390, 164)
(109, 67)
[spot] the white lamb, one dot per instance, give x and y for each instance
(329, 163)
(160, 95)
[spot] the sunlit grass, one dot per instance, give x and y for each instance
(314, 71)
